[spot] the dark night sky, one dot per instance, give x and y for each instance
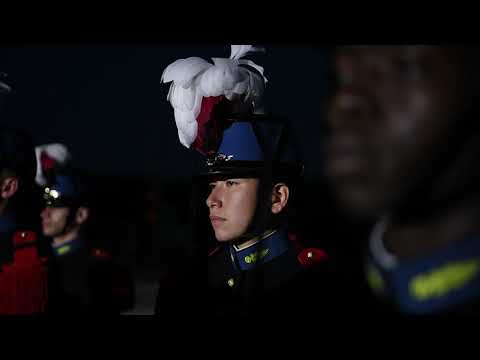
(107, 104)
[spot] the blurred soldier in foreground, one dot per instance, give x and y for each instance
(403, 149)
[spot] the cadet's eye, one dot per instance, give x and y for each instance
(231, 183)
(212, 185)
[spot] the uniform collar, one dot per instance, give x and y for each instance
(69, 247)
(272, 245)
(448, 277)
(7, 224)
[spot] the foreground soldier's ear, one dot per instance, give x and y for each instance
(9, 187)
(280, 195)
(82, 215)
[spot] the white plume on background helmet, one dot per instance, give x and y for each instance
(194, 78)
(57, 152)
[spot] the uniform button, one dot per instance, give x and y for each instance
(231, 282)
(310, 254)
(23, 234)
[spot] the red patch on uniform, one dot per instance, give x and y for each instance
(100, 254)
(24, 282)
(311, 256)
(24, 237)
(24, 287)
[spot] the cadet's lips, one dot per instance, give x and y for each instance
(216, 219)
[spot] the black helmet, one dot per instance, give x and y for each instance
(67, 189)
(254, 145)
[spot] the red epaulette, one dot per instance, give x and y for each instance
(311, 256)
(100, 254)
(215, 250)
(24, 237)
(25, 251)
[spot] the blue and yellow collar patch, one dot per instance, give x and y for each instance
(261, 252)
(68, 248)
(449, 277)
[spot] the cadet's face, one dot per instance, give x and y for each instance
(232, 205)
(391, 110)
(54, 220)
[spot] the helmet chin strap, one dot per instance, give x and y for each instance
(261, 225)
(248, 237)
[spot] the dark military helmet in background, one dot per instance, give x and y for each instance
(68, 188)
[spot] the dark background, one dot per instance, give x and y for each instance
(106, 103)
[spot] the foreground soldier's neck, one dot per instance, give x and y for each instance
(253, 241)
(409, 240)
(65, 238)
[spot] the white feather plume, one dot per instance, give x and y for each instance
(239, 51)
(182, 71)
(194, 78)
(58, 152)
